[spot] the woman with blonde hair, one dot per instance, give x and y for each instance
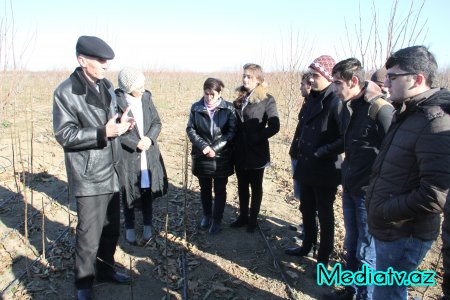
(257, 121)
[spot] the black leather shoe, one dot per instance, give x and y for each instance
(84, 294)
(118, 278)
(299, 251)
(205, 223)
(239, 222)
(340, 295)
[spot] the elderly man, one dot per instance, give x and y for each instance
(87, 126)
(411, 174)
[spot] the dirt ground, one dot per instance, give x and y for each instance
(181, 261)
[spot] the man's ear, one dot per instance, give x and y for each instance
(81, 61)
(420, 79)
(354, 81)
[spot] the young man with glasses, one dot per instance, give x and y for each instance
(411, 175)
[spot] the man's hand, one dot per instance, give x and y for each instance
(126, 119)
(114, 129)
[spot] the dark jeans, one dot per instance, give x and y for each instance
(220, 192)
(320, 199)
(253, 179)
(98, 231)
(147, 210)
(359, 243)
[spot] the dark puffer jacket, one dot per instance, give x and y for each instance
(320, 139)
(217, 134)
(256, 123)
(132, 155)
(411, 174)
(362, 138)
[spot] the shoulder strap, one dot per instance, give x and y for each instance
(375, 106)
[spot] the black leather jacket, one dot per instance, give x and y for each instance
(79, 118)
(218, 135)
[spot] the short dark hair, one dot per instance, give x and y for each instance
(307, 75)
(348, 68)
(256, 69)
(415, 59)
(213, 84)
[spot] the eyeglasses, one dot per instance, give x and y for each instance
(393, 76)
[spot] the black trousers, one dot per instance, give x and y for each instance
(250, 179)
(320, 199)
(98, 231)
(146, 206)
(220, 193)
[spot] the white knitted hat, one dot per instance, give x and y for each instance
(130, 79)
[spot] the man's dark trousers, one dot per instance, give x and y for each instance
(98, 231)
(320, 199)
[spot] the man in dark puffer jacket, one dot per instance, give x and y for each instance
(411, 175)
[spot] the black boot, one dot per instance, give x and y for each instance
(239, 222)
(252, 224)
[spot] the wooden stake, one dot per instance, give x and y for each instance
(43, 228)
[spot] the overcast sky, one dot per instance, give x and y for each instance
(206, 36)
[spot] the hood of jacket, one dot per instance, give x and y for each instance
(257, 95)
(372, 91)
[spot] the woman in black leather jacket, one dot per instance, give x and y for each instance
(211, 128)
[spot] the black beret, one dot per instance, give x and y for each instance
(95, 47)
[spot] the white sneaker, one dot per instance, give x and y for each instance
(130, 236)
(147, 234)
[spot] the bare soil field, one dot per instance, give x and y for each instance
(181, 262)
